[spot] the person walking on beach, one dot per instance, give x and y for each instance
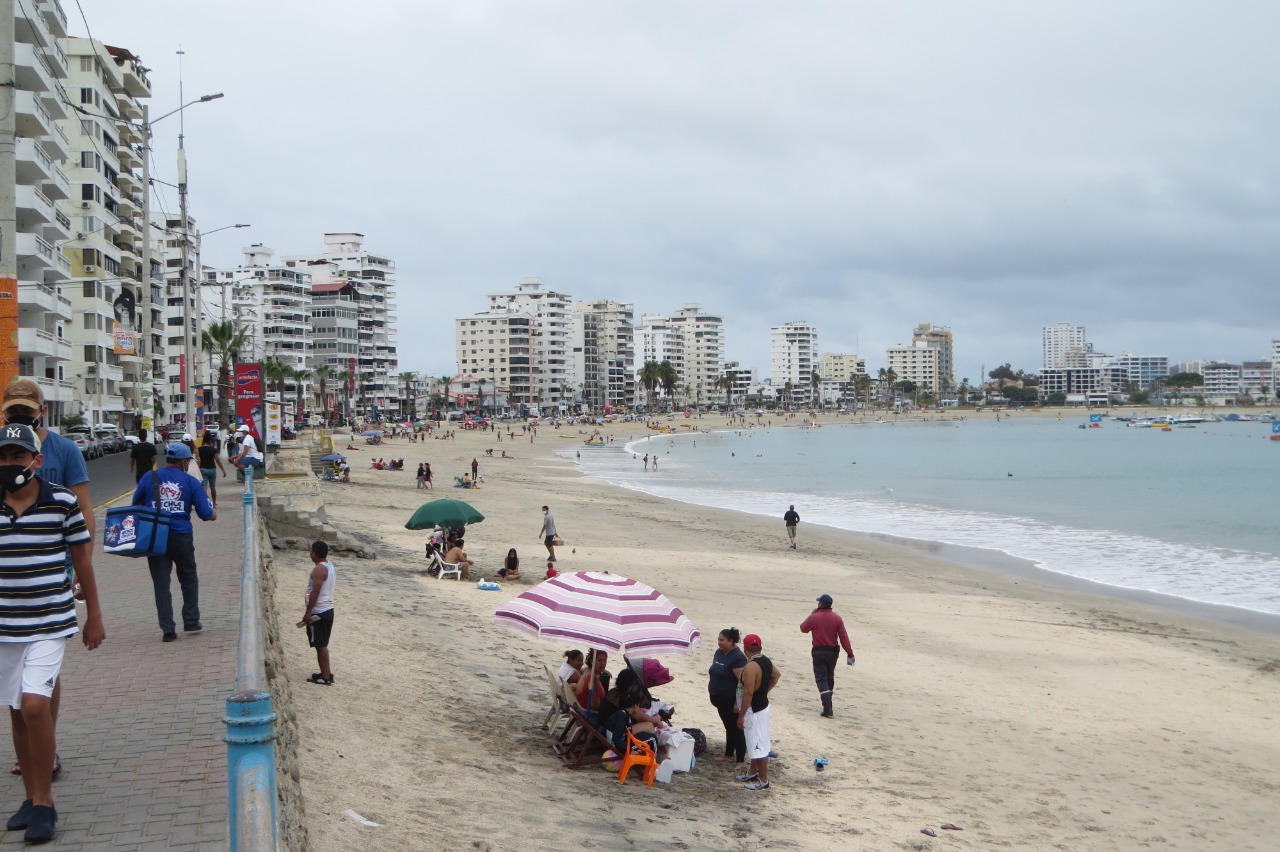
(475, 470)
(179, 491)
(39, 524)
(759, 677)
(791, 518)
(548, 533)
(422, 478)
(827, 628)
(318, 616)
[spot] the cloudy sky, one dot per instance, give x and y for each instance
(993, 167)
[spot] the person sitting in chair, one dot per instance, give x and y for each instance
(456, 555)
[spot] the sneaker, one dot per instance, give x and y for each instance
(749, 776)
(758, 785)
(20, 817)
(317, 677)
(193, 628)
(169, 637)
(40, 824)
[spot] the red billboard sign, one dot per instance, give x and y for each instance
(249, 397)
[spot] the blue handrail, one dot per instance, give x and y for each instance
(250, 719)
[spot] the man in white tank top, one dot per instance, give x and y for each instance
(318, 617)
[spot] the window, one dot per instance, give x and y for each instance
(86, 64)
(86, 160)
(86, 95)
(87, 191)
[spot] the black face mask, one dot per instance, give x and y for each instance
(23, 420)
(14, 476)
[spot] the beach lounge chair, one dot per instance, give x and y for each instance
(586, 747)
(558, 717)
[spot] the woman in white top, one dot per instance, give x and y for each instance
(571, 668)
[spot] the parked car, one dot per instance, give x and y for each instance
(110, 440)
(88, 443)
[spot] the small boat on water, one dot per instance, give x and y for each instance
(593, 443)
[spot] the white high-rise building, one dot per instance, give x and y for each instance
(917, 363)
(373, 294)
(793, 357)
(939, 337)
(272, 303)
(703, 355)
(41, 332)
(1060, 340)
(520, 345)
(603, 347)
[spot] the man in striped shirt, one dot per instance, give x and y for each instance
(39, 524)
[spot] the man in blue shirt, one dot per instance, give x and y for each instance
(179, 492)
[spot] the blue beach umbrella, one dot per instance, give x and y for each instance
(334, 457)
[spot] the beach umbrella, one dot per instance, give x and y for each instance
(443, 513)
(334, 457)
(370, 433)
(602, 610)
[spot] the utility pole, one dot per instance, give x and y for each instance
(8, 209)
(148, 305)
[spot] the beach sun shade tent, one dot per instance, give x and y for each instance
(370, 433)
(604, 611)
(334, 457)
(443, 513)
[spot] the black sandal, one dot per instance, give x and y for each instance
(318, 677)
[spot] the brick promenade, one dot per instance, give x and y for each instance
(144, 766)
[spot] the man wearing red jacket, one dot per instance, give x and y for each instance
(828, 630)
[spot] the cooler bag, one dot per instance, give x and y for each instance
(137, 530)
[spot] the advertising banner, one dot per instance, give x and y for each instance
(200, 407)
(126, 339)
(126, 343)
(249, 397)
(274, 419)
(351, 375)
(8, 330)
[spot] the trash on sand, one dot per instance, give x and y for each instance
(356, 818)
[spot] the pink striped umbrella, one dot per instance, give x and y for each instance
(601, 610)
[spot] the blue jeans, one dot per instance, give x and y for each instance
(181, 554)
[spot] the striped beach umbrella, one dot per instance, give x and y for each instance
(601, 610)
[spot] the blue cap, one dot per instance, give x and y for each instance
(19, 435)
(177, 452)
(825, 600)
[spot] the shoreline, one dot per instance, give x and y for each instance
(1030, 714)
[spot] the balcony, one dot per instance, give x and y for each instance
(38, 342)
(60, 189)
(55, 19)
(32, 164)
(32, 119)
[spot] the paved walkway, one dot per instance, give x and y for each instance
(144, 765)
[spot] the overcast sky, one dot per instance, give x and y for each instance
(994, 167)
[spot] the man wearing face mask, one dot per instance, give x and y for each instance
(39, 523)
(62, 465)
(179, 493)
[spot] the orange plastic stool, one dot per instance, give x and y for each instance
(639, 753)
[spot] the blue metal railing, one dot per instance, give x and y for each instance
(250, 719)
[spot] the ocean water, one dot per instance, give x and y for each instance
(1190, 513)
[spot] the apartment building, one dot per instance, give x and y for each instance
(1060, 339)
(793, 359)
(272, 303)
(112, 303)
(744, 380)
(603, 347)
(702, 358)
(841, 367)
(372, 292)
(918, 363)
(1223, 382)
(1142, 370)
(1095, 385)
(939, 337)
(44, 315)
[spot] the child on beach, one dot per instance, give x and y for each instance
(318, 617)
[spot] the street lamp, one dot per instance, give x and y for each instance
(147, 124)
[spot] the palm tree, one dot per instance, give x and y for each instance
(445, 384)
(862, 384)
(480, 382)
(275, 372)
(300, 377)
(410, 407)
(786, 401)
(815, 381)
(220, 338)
(345, 378)
(668, 378)
(648, 376)
(726, 383)
(323, 373)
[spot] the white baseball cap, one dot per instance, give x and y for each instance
(186, 436)
(242, 428)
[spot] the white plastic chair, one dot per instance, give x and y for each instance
(454, 568)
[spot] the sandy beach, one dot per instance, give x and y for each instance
(1032, 716)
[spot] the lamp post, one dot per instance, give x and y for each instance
(147, 124)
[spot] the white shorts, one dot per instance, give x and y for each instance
(756, 729)
(29, 667)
